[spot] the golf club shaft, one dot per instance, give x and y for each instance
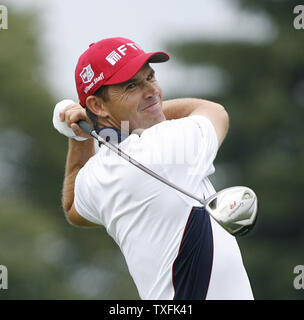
(88, 129)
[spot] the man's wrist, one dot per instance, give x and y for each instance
(80, 151)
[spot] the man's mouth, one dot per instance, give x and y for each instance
(150, 106)
(154, 102)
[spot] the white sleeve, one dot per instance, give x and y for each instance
(186, 149)
(83, 198)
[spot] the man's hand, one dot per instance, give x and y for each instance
(66, 115)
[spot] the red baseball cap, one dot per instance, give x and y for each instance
(110, 61)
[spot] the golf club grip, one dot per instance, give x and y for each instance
(85, 126)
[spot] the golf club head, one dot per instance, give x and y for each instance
(235, 209)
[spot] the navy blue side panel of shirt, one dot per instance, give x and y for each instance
(193, 265)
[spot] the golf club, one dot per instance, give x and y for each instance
(235, 208)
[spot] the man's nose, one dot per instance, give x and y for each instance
(150, 90)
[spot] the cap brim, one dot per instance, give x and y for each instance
(129, 70)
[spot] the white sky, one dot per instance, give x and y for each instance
(71, 25)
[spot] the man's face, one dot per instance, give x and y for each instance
(139, 101)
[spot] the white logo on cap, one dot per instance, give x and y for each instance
(87, 74)
(113, 57)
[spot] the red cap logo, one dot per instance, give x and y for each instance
(87, 74)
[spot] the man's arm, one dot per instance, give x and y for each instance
(180, 108)
(79, 153)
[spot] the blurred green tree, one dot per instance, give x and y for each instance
(264, 95)
(46, 257)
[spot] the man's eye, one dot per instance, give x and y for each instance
(150, 76)
(131, 86)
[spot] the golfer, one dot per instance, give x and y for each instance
(173, 249)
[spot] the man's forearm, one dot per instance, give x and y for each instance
(78, 154)
(183, 107)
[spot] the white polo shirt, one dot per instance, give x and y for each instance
(173, 249)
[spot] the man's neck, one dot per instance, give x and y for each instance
(109, 123)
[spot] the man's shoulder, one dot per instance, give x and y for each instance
(166, 125)
(175, 126)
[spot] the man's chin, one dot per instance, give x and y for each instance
(157, 118)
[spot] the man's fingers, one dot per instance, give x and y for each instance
(65, 116)
(78, 131)
(63, 113)
(72, 114)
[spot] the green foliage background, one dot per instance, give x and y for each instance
(264, 96)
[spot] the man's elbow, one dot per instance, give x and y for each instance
(76, 220)
(225, 119)
(70, 218)
(223, 123)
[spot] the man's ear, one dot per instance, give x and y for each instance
(95, 104)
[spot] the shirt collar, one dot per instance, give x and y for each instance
(111, 134)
